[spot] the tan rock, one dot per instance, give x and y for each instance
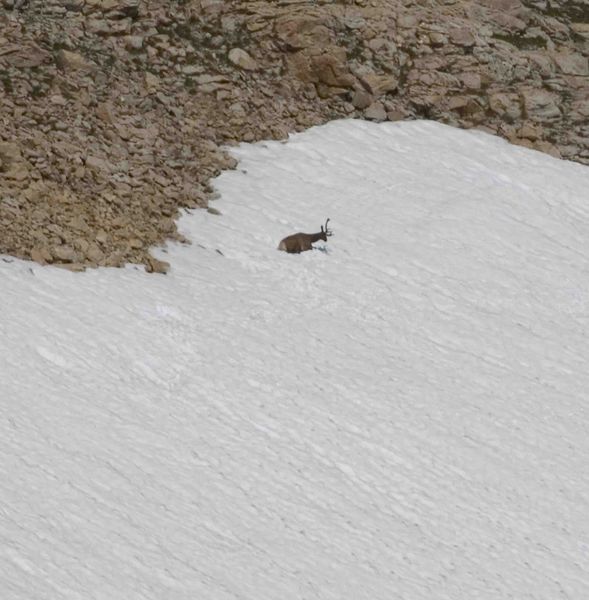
(376, 112)
(472, 81)
(437, 38)
(302, 31)
(73, 61)
(104, 112)
(542, 63)
(529, 131)
(10, 153)
(325, 91)
(103, 5)
(572, 63)
(14, 166)
(524, 142)
(78, 223)
(64, 253)
(378, 84)
(41, 255)
(395, 115)
(58, 100)
(462, 36)
(508, 22)
(505, 105)
(156, 266)
(330, 68)
(23, 56)
(98, 164)
(362, 99)
(212, 7)
(580, 110)
(152, 82)
(458, 102)
(240, 58)
(82, 245)
(581, 29)
(407, 21)
(502, 5)
(547, 148)
(540, 105)
(108, 27)
(74, 267)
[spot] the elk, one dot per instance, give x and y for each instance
(299, 242)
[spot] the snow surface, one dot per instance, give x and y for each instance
(401, 415)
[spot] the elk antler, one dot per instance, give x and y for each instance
(327, 232)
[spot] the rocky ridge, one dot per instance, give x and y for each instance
(114, 113)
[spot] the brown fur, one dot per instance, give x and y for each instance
(300, 242)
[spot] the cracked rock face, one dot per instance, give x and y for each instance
(113, 113)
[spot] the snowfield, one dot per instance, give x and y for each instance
(402, 415)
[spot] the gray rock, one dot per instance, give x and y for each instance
(462, 36)
(407, 21)
(579, 111)
(540, 105)
(378, 84)
(505, 105)
(572, 63)
(376, 112)
(98, 164)
(362, 99)
(134, 42)
(472, 81)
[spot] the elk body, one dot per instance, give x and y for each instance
(299, 242)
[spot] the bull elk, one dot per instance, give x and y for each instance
(299, 242)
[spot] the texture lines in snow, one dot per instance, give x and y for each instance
(400, 416)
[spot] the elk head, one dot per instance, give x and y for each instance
(325, 232)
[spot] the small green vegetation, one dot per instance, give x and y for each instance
(522, 42)
(571, 10)
(6, 82)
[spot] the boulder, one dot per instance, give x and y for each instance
(25, 56)
(64, 253)
(462, 36)
(579, 111)
(362, 99)
(472, 81)
(12, 164)
(378, 84)
(41, 255)
(302, 31)
(98, 164)
(330, 68)
(572, 63)
(156, 266)
(540, 105)
(326, 65)
(240, 58)
(376, 112)
(73, 61)
(505, 105)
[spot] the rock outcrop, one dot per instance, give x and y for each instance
(113, 113)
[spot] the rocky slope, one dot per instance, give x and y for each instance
(113, 113)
